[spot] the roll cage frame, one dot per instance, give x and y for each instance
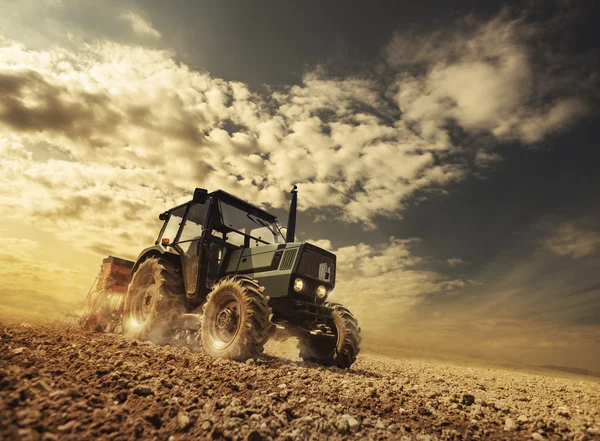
(214, 218)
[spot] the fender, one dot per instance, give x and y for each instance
(156, 251)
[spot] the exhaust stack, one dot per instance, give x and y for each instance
(291, 225)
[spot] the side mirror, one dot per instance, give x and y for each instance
(163, 216)
(200, 196)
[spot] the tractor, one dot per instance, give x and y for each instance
(222, 270)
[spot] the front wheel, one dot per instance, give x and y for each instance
(236, 319)
(340, 351)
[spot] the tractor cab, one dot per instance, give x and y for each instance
(206, 231)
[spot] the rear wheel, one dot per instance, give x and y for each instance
(235, 319)
(155, 300)
(340, 351)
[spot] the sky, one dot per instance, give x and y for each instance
(447, 152)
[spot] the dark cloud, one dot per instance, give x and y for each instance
(29, 102)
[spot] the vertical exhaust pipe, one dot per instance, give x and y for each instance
(291, 225)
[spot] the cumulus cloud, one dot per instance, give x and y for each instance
(322, 243)
(140, 25)
(154, 117)
(487, 77)
(30, 102)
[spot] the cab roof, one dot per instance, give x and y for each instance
(242, 204)
(234, 201)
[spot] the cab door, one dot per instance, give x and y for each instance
(190, 242)
(217, 252)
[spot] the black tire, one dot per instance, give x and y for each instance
(340, 351)
(236, 319)
(154, 301)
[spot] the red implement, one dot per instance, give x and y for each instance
(104, 304)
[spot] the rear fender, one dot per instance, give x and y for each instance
(157, 251)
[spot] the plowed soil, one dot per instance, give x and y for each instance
(60, 383)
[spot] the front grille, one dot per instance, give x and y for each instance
(288, 260)
(310, 290)
(317, 265)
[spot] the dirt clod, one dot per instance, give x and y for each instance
(468, 400)
(183, 421)
(509, 424)
(67, 427)
(143, 391)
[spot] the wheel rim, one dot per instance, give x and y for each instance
(144, 301)
(325, 347)
(224, 320)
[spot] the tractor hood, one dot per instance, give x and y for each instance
(276, 265)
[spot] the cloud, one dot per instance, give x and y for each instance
(487, 77)
(455, 261)
(152, 116)
(389, 276)
(322, 243)
(529, 305)
(574, 241)
(136, 130)
(29, 102)
(357, 146)
(140, 25)
(527, 308)
(484, 159)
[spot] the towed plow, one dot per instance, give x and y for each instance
(103, 307)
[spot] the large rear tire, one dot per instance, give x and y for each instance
(340, 351)
(236, 319)
(155, 300)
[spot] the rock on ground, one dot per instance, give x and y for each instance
(57, 382)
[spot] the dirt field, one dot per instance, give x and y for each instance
(59, 383)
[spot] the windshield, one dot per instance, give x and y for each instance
(241, 223)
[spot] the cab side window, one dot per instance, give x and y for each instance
(194, 224)
(173, 224)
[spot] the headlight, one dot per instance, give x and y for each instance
(321, 291)
(298, 285)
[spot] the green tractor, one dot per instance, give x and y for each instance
(229, 260)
